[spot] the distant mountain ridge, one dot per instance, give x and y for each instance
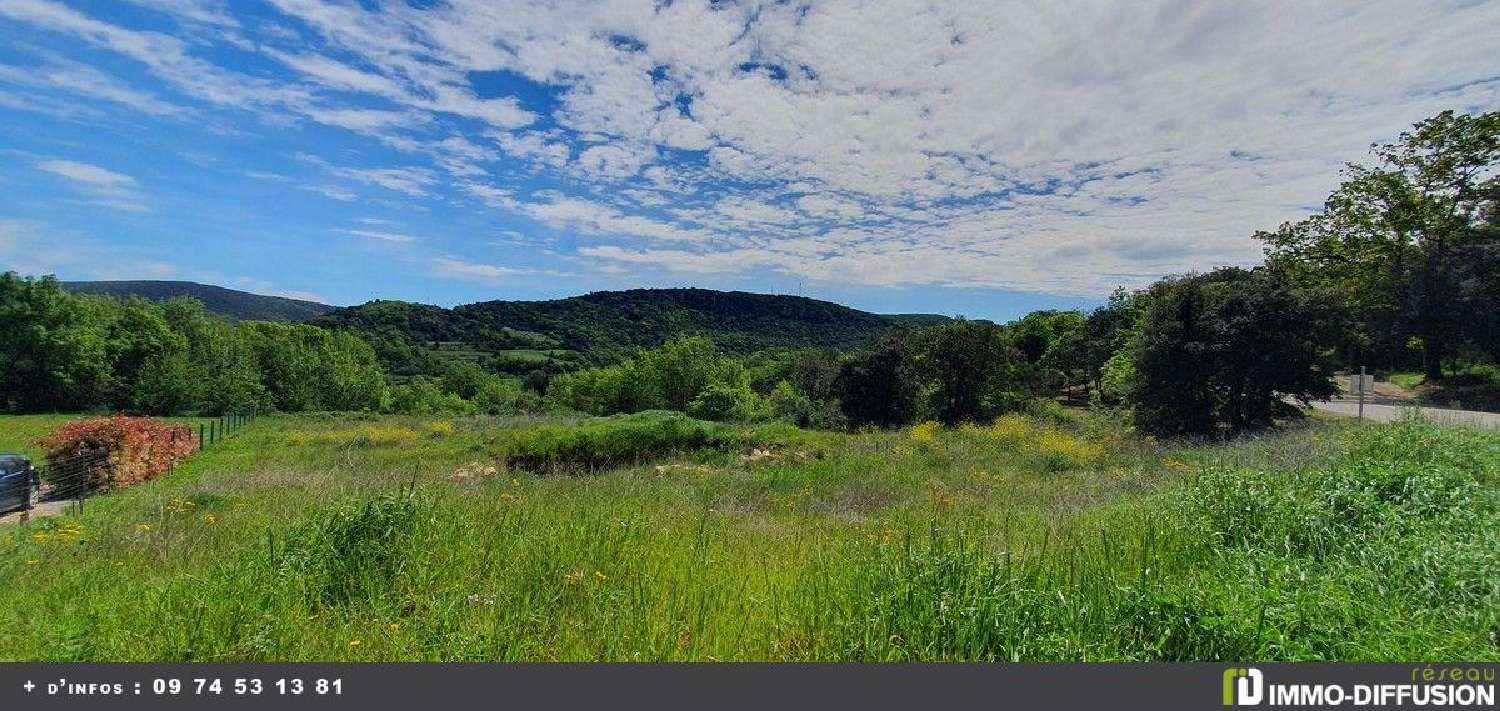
(597, 327)
(230, 303)
(607, 325)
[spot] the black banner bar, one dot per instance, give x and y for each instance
(763, 687)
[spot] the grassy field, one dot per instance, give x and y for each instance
(655, 537)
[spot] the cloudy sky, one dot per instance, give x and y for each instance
(982, 158)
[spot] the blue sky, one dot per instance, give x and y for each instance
(982, 159)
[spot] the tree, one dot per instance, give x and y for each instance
(679, 370)
(1399, 239)
(53, 354)
(970, 371)
(1225, 350)
(1109, 334)
(879, 386)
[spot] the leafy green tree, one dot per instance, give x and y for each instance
(141, 345)
(879, 386)
(680, 370)
(1109, 333)
(601, 391)
(464, 379)
(349, 376)
(1401, 239)
(1225, 350)
(221, 365)
(53, 354)
(971, 371)
(422, 395)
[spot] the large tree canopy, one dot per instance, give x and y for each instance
(1225, 350)
(1410, 240)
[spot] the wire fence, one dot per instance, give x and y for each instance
(73, 478)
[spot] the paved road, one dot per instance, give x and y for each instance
(1391, 413)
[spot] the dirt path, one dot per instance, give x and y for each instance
(46, 509)
(1379, 412)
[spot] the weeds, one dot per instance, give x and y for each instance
(1320, 542)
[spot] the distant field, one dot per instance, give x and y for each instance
(18, 433)
(656, 537)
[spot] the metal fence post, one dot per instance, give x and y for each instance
(200, 436)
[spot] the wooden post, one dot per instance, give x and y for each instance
(1361, 414)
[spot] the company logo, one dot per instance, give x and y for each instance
(1244, 686)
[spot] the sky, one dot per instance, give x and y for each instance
(965, 158)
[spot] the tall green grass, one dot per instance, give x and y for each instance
(1326, 541)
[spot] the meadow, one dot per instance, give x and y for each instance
(651, 537)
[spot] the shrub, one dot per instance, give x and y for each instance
(926, 433)
(724, 402)
(505, 396)
(349, 553)
(1012, 430)
(606, 442)
(136, 448)
(787, 403)
(422, 396)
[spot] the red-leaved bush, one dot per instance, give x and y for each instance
(136, 448)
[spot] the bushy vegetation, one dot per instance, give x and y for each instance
(1410, 244)
(1227, 350)
(77, 353)
(134, 449)
(1046, 536)
(604, 443)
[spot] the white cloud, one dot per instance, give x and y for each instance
(534, 147)
(60, 74)
(613, 161)
(562, 212)
(373, 121)
(332, 192)
(102, 187)
(209, 12)
(457, 268)
(381, 236)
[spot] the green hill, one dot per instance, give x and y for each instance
(603, 326)
(239, 305)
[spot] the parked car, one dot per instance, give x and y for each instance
(20, 484)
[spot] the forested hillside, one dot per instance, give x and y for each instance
(229, 303)
(604, 327)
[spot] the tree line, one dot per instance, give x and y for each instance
(65, 352)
